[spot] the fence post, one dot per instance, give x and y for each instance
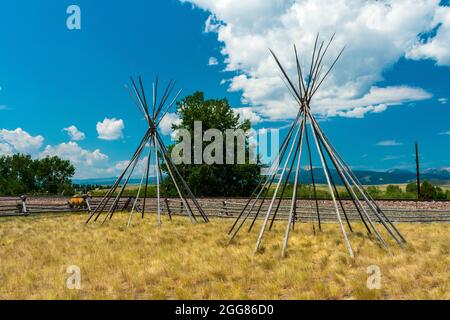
(24, 205)
(225, 207)
(127, 203)
(88, 205)
(168, 208)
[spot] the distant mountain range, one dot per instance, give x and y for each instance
(394, 176)
(110, 181)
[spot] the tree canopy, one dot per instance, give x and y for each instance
(20, 174)
(430, 192)
(213, 179)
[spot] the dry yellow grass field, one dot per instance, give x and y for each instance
(184, 261)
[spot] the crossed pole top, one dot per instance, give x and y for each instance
(159, 108)
(304, 91)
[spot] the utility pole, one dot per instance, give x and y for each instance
(417, 171)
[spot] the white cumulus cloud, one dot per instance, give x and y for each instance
(88, 163)
(247, 113)
(74, 133)
(76, 154)
(19, 140)
(376, 34)
(110, 129)
(437, 47)
(166, 123)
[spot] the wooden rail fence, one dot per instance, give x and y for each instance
(229, 208)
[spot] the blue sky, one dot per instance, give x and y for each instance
(53, 78)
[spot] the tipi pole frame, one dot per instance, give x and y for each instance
(183, 182)
(168, 108)
(165, 198)
(147, 172)
(364, 193)
(303, 95)
(152, 138)
(263, 189)
(141, 103)
(263, 228)
(153, 127)
(311, 169)
(151, 121)
(266, 186)
(279, 161)
(186, 205)
(342, 173)
(157, 183)
(312, 66)
(273, 170)
(137, 195)
(367, 215)
(354, 198)
(101, 206)
(176, 173)
(335, 189)
(349, 247)
(293, 208)
(356, 202)
(368, 195)
(113, 207)
(299, 146)
(134, 163)
(154, 94)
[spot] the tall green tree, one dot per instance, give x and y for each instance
(411, 187)
(214, 179)
(53, 175)
(430, 192)
(17, 174)
(20, 174)
(393, 191)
